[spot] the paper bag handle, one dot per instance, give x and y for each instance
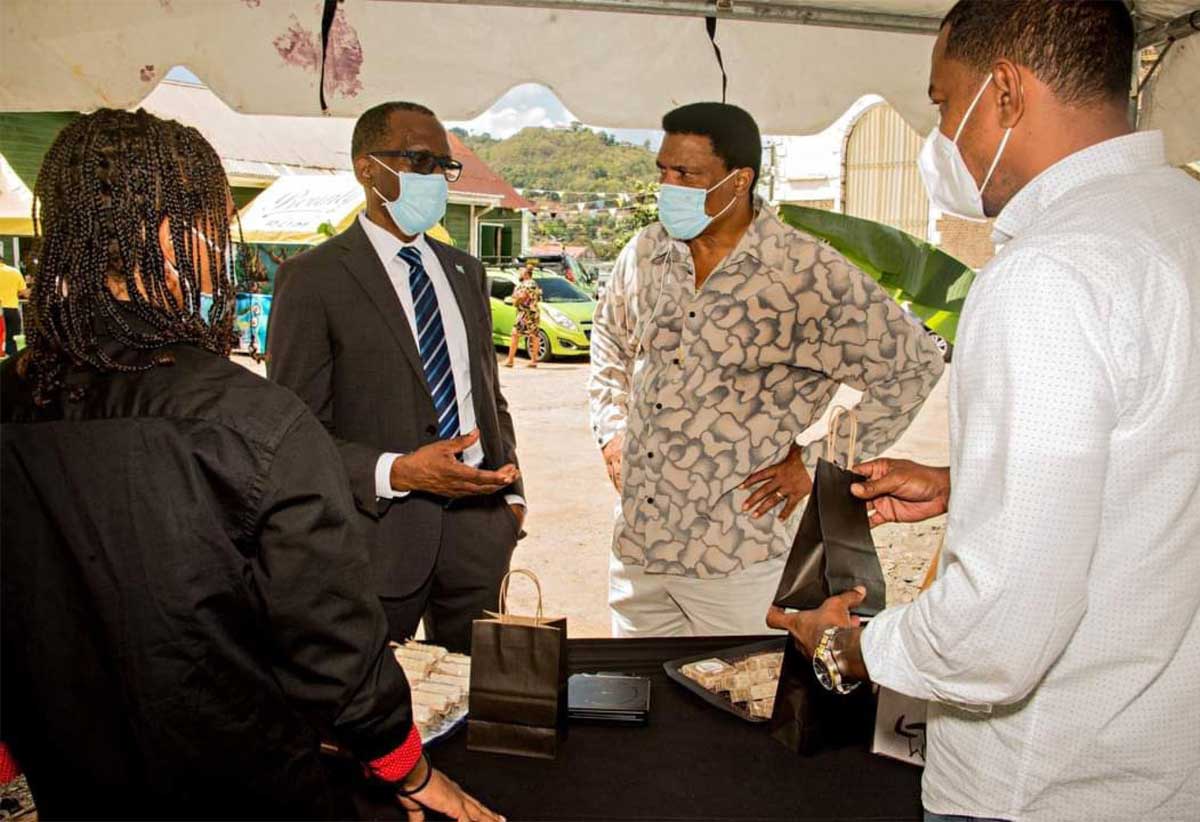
(504, 592)
(831, 441)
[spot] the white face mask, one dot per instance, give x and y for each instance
(945, 174)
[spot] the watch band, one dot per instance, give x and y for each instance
(837, 651)
(826, 665)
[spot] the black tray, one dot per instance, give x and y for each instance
(731, 656)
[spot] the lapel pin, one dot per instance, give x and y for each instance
(459, 268)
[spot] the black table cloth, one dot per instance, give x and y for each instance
(691, 762)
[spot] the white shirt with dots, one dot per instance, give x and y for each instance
(1061, 644)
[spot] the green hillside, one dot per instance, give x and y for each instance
(576, 159)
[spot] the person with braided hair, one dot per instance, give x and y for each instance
(187, 623)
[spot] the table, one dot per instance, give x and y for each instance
(691, 762)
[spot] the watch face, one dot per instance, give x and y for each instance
(822, 672)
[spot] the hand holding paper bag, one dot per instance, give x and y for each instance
(832, 555)
(902, 490)
(833, 550)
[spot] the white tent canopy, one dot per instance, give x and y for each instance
(16, 202)
(611, 68)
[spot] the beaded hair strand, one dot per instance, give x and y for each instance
(106, 186)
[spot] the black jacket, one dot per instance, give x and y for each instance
(186, 610)
(340, 340)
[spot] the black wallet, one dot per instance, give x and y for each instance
(609, 697)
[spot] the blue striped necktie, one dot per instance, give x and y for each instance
(431, 339)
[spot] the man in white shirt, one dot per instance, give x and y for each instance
(386, 334)
(1060, 646)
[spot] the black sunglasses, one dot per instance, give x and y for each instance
(426, 162)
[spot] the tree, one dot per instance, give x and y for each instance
(644, 213)
(558, 159)
(582, 163)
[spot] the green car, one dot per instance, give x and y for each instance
(565, 329)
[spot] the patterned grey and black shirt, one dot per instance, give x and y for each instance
(712, 384)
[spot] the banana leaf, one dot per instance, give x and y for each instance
(932, 283)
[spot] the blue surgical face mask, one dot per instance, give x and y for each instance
(681, 209)
(422, 201)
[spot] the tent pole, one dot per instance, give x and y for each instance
(473, 229)
(1182, 26)
(1164, 35)
(747, 10)
(1135, 93)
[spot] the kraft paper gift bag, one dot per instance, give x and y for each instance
(833, 550)
(900, 719)
(518, 699)
(808, 719)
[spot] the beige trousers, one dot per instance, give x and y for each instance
(645, 605)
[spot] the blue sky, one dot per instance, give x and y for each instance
(531, 104)
(182, 75)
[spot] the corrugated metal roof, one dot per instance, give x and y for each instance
(880, 178)
(314, 144)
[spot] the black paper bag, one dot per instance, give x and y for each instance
(833, 550)
(518, 698)
(807, 718)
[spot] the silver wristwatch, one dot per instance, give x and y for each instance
(825, 664)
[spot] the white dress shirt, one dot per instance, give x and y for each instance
(388, 246)
(1061, 643)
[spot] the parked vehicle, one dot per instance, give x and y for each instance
(565, 328)
(603, 277)
(562, 264)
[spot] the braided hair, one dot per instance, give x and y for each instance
(106, 186)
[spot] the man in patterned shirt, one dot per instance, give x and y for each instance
(723, 336)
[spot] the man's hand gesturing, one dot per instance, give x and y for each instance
(435, 469)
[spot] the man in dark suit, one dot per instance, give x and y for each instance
(386, 333)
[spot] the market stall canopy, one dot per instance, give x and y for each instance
(307, 210)
(16, 202)
(254, 149)
(260, 148)
(614, 63)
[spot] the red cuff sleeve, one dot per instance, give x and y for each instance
(10, 769)
(399, 763)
